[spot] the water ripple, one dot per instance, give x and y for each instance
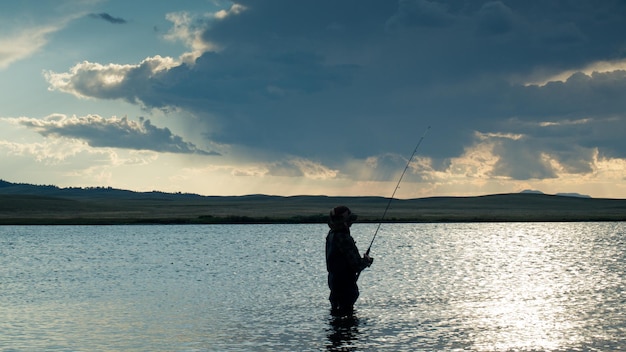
(452, 287)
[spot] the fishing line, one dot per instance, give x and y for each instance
(396, 189)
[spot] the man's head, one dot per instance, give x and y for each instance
(341, 216)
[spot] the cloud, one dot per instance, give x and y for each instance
(26, 29)
(365, 78)
(24, 43)
(315, 170)
(495, 18)
(48, 152)
(110, 81)
(420, 13)
(113, 132)
(189, 28)
(291, 167)
(106, 17)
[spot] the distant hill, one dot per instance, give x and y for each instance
(530, 191)
(89, 192)
(573, 195)
(32, 204)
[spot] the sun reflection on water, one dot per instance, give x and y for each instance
(519, 297)
(503, 287)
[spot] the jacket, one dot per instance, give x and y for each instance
(342, 254)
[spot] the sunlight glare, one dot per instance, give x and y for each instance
(523, 308)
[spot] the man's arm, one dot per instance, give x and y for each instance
(349, 248)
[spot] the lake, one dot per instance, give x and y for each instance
(451, 287)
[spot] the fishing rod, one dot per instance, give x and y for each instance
(396, 189)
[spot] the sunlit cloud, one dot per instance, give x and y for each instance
(52, 152)
(24, 43)
(75, 163)
(565, 122)
(186, 30)
(605, 178)
(480, 169)
(590, 69)
(235, 9)
(313, 170)
(190, 28)
(477, 162)
(488, 135)
(88, 79)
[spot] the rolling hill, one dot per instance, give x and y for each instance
(33, 204)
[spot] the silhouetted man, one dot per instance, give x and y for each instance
(343, 261)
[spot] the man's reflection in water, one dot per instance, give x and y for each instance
(343, 332)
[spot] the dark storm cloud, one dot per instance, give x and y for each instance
(108, 18)
(115, 133)
(328, 78)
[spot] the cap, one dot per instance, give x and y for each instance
(342, 214)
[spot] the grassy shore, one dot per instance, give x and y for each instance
(158, 208)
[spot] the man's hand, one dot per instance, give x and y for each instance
(369, 259)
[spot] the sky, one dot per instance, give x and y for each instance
(324, 97)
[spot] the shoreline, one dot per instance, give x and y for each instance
(94, 222)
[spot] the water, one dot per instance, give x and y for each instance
(476, 287)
